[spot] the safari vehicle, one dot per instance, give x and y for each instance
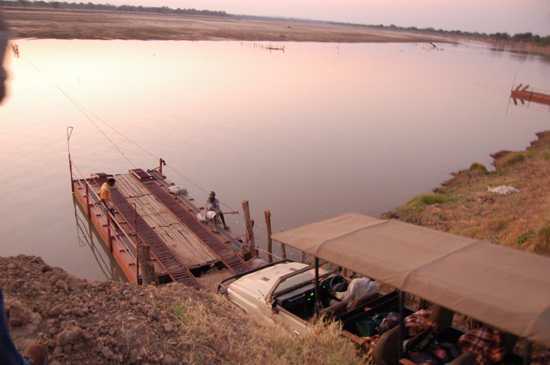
(505, 289)
(285, 292)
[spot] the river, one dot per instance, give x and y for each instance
(311, 132)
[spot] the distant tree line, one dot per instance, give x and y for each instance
(519, 37)
(93, 6)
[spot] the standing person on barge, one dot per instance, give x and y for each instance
(105, 192)
(213, 204)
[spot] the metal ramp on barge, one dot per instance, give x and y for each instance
(180, 247)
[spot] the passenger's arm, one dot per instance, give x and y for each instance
(3, 51)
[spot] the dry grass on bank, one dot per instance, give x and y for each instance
(463, 205)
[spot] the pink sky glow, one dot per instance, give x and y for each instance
(473, 15)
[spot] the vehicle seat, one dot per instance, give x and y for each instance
(466, 358)
(509, 342)
(337, 309)
(387, 348)
(442, 317)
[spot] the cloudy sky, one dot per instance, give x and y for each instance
(475, 15)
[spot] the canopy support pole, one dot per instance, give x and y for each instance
(401, 324)
(528, 352)
(267, 214)
(316, 287)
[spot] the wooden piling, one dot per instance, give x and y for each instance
(109, 231)
(88, 210)
(267, 214)
(283, 250)
(249, 228)
(162, 163)
(147, 269)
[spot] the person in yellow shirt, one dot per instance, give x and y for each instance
(105, 191)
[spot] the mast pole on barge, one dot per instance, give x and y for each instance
(69, 134)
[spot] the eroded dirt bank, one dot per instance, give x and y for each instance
(96, 323)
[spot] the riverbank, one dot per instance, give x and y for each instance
(520, 47)
(98, 323)
(94, 24)
(465, 206)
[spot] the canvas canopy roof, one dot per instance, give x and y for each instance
(506, 288)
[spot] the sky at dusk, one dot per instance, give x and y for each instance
(474, 15)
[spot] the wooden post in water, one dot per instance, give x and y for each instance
(249, 228)
(267, 214)
(147, 270)
(161, 164)
(88, 211)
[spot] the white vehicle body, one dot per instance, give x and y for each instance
(254, 293)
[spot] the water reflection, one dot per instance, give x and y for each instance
(86, 237)
(316, 131)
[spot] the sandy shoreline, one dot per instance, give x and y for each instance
(93, 24)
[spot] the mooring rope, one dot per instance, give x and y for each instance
(83, 111)
(90, 116)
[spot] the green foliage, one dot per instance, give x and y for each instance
(477, 167)
(511, 159)
(179, 312)
(94, 6)
(499, 36)
(421, 201)
(546, 155)
(522, 238)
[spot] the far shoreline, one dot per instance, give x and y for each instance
(92, 24)
(45, 23)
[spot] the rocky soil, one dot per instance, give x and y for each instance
(85, 322)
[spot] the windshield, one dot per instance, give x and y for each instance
(298, 280)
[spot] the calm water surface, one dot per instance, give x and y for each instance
(316, 131)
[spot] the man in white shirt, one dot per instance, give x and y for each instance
(358, 289)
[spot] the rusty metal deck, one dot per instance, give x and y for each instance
(174, 267)
(219, 246)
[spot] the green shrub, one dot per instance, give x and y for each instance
(524, 237)
(510, 159)
(423, 200)
(546, 155)
(477, 167)
(515, 158)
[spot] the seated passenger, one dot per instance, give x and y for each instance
(485, 343)
(358, 289)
